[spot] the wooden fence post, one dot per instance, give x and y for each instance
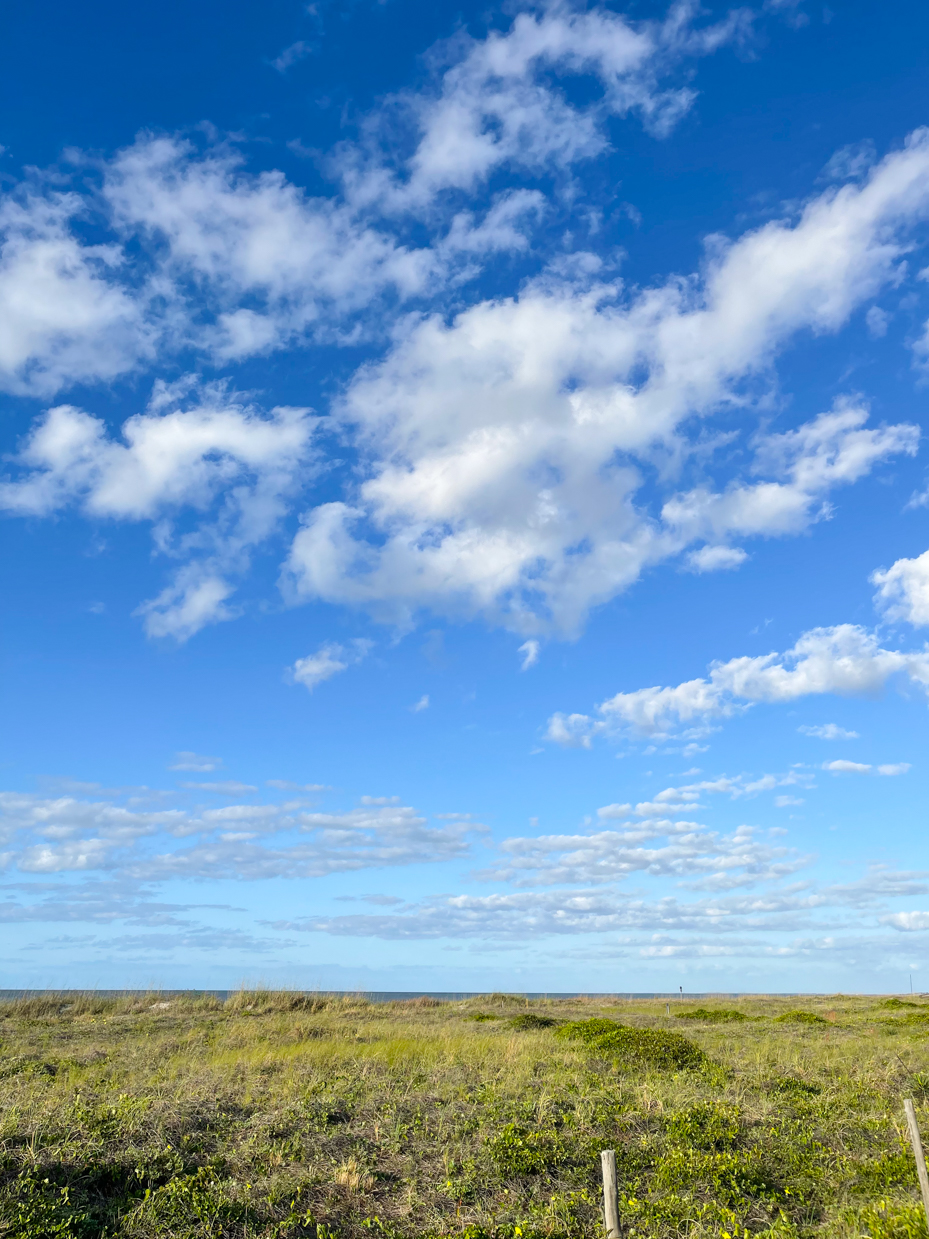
(918, 1154)
(611, 1193)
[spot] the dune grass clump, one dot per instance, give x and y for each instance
(713, 1015)
(653, 1047)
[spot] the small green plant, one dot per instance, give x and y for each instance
(518, 1151)
(896, 1004)
(892, 1220)
(708, 1125)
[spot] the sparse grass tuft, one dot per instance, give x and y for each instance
(715, 1015)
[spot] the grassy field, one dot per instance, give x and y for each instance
(289, 1115)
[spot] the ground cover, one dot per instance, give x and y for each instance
(281, 1115)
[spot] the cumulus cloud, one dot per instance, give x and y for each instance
(66, 318)
(524, 457)
(846, 660)
(328, 661)
(846, 767)
(495, 105)
(195, 452)
(268, 262)
(506, 447)
(903, 590)
(908, 921)
(716, 558)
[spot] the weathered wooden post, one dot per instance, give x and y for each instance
(917, 1153)
(611, 1193)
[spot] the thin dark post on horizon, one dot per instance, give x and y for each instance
(917, 1144)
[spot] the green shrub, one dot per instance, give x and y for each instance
(480, 1016)
(799, 1017)
(651, 1047)
(529, 1021)
(895, 1004)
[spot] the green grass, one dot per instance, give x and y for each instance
(282, 1115)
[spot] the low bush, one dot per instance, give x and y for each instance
(652, 1047)
(530, 1021)
(799, 1017)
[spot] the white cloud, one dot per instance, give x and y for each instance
(833, 449)
(846, 660)
(753, 924)
(195, 762)
(248, 841)
(229, 787)
(496, 105)
(903, 590)
(292, 55)
(877, 321)
(328, 661)
(269, 262)
(505, 447)
(422, 704)
(716, 558)
(231, 467)
(856, 767)
(530, 652)
(787, 802)
(851, 162)
(611, 811)
(65, 317)
(828, 731)
(907, 921)
(659, 847)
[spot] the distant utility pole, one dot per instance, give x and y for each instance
(681, 988)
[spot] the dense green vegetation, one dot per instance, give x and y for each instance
(282, 1115)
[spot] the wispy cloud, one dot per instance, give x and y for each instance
(195, 762)
(329, 660)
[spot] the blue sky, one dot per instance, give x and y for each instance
(464, 499)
